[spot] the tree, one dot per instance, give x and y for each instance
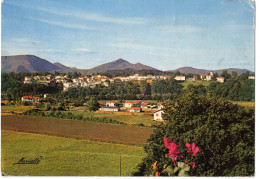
(93, 104)
(234, 74)
(223, 131)
(61, 106)
(145, 88)
(215, 75)
(47, 106)
(225, 74)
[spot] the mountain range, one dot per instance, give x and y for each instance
(31, 63)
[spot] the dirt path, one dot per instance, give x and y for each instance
(78, 129)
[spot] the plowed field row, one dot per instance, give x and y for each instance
(77, 129)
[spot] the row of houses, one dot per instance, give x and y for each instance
(128, 105)
(34, 99)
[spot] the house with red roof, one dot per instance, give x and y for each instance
(135, 109)
(206, 77)
(128, 104)
(4, 102)
(110, 103)
(30, 99)
(144, 105)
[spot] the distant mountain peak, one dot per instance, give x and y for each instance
(28, 63)
(120, 60)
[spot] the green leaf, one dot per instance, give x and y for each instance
(184, 168)
(170, 170)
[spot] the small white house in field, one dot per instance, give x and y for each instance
(180, 78)
(110, 103)
(128, 104)
(220, 79)
(157, 116)
(109, 108)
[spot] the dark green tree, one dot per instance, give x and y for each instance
(225, 74)
(145, 88)
(223, 131)
(93, 104)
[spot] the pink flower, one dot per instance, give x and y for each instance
(167, 142)
(192, 149)
(193, 164)
(174, 152)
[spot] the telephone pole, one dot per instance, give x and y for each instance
(120, 166)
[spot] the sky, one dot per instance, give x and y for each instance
(165, 34)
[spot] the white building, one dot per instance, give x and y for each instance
(165, 77)
(251, 77)
(128, 104)
(157, 116)
(206, 77)
(220, 79)
(109, 108)
(110, 103)
(136, 109)
(180, 78)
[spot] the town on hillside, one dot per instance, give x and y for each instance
(92, 81)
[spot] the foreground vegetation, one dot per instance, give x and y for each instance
(224, 132)
(65, 156)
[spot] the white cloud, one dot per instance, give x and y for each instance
(62, 24)
(86, 15)
(97, 17)
(180, 29)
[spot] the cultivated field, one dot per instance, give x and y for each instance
(65, 156)
(77, 129)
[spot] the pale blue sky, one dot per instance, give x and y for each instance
(165, 34)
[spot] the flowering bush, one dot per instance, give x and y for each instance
(176, 166)
(224, 132)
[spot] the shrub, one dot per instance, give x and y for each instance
(224, 132)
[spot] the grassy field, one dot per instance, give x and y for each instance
(195, 83)
(16, 108)
(130, 118)
(65, 156)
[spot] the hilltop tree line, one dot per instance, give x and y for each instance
(235, 88)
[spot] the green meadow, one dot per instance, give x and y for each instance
(135, 118)
(14, 108)
(66, 156)
(195, 83)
